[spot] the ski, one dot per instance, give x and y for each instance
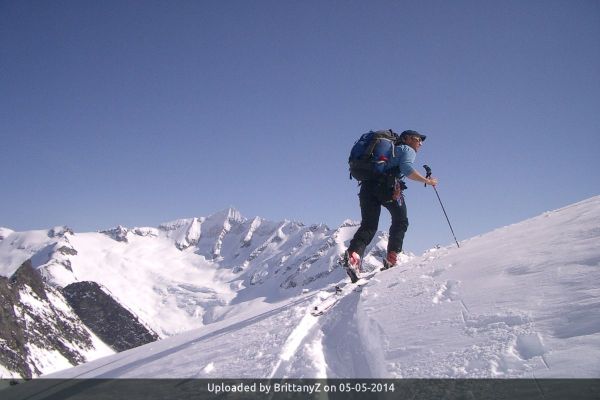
(340, 292)
(327, 303)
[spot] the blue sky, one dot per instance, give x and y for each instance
(140, 112)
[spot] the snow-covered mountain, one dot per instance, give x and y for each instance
(521, 301)
(121, 288)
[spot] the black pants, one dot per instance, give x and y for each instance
(373, 196)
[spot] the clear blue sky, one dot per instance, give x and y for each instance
(140, 112)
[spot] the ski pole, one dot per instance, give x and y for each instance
(440, 200)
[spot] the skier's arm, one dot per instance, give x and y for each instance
(405, 156)
(415, 176)
(405, 159)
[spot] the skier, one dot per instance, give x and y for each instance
(376, 193)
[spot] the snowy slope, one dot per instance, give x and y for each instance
(182, 275)
(521, 301)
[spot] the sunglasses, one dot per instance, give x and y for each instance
(418, 139)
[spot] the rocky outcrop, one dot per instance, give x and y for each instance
(119, 233)
(35, 319)
(12, 335)
(103, 315)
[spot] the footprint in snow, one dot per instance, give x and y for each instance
(528, 346)
(489, 321)
(448, 291)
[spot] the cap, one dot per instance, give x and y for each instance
(413, 133)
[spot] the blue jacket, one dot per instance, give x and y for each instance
(403, 159)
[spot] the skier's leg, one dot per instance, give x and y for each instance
(398, 228)
(370, 210)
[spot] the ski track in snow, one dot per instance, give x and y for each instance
(325, 346)
(352, 344)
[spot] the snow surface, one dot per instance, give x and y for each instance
(521, 301)
(141, 274)
(18, 247)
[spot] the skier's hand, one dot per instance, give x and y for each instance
(432, 181)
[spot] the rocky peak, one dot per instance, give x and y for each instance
(60, 231)
(26, 275)
(119, 233)
(349, 223)
(229, 214)
(184, 232)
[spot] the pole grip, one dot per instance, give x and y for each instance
(428, 170)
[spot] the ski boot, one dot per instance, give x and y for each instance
(390, 260)
(352, 265)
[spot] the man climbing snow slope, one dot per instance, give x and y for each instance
(385, 189)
